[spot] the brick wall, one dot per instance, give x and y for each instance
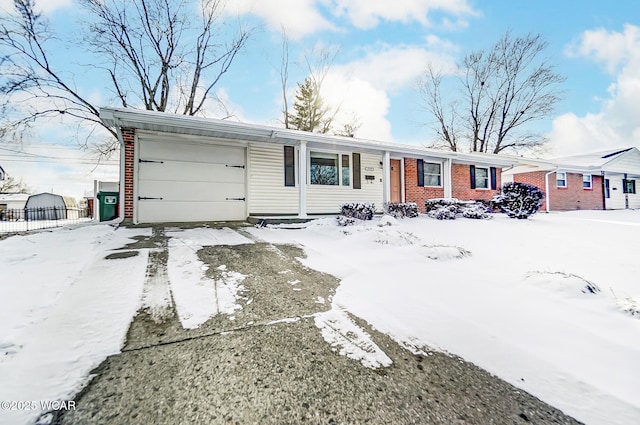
(461, 184)
(128, 137)
(572, 197)
(413, 192)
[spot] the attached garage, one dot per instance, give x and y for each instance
(199, 181)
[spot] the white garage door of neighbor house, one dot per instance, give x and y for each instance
(180, 181)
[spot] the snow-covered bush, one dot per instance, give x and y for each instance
(445, 212)
(361, 211)
(478, 211)
(345, 221)
(519, 200)
(401, 209)
(450, 209)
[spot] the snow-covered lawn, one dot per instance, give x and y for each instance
(519, 298)
(63, 309)
(550, 304)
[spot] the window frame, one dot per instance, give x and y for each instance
(488, 178)
(625, 188)
(425, 174)
(340, 171)
(564, 179)
(590, 182)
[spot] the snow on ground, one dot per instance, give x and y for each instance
(349, 339)
(198, 297)
(511, 296)
(63, 309)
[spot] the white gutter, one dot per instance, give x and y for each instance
(546, 189)
(121, 179)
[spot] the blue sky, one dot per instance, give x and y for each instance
(384, 46)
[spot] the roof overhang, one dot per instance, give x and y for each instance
(243, 132)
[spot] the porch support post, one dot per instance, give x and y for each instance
(448, 180)
(386, 177)
(302, 181)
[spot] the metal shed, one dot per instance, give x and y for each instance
(49, 206)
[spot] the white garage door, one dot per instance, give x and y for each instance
(182, 181)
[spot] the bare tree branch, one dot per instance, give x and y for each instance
(504, 88)
(153, 54)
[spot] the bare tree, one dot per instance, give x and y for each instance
(155, 54)
(13, 185)
(499, 92)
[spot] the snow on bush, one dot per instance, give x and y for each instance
(402, 209)
(519, 200)
(630, 306)
(450, 209)
(387, 220)
(360, 211)
(443, 252)
(565, 282)
(345, 221)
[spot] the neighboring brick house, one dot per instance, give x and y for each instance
(596, 181)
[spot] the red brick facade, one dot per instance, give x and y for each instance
(413, 192)
(461, 184)
(128, 137)
(572, 197)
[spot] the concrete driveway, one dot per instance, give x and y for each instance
(269, 363)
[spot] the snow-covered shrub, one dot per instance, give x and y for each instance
(361, 211)
(450, 209)
(477, 211)
(519, 200)
(387, 220)
(445, 212)
(345, 221)
(631, 306)
(401, 209)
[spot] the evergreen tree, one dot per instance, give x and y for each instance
(310, 114)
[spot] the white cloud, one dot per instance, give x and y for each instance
(359, 98)
(365, 14)
(609, 48)
(303, 17)
(616, 124)
(394, 67)
(297, 17)
(44, 6)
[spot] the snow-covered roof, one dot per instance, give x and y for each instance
(594, 159)
(14, 197)
(587, 163)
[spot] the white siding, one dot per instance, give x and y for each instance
(617, 196)
(629, 163)
(267, 192)
(327, 199)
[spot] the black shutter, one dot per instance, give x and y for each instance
(472, 173)
(420, 172)
(357, 184)
(494, 182)
(289, 166)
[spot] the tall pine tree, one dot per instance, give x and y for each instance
(310, 112)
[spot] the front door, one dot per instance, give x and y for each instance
(396, 186)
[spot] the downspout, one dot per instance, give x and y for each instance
(547, 199)
(121, 179)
